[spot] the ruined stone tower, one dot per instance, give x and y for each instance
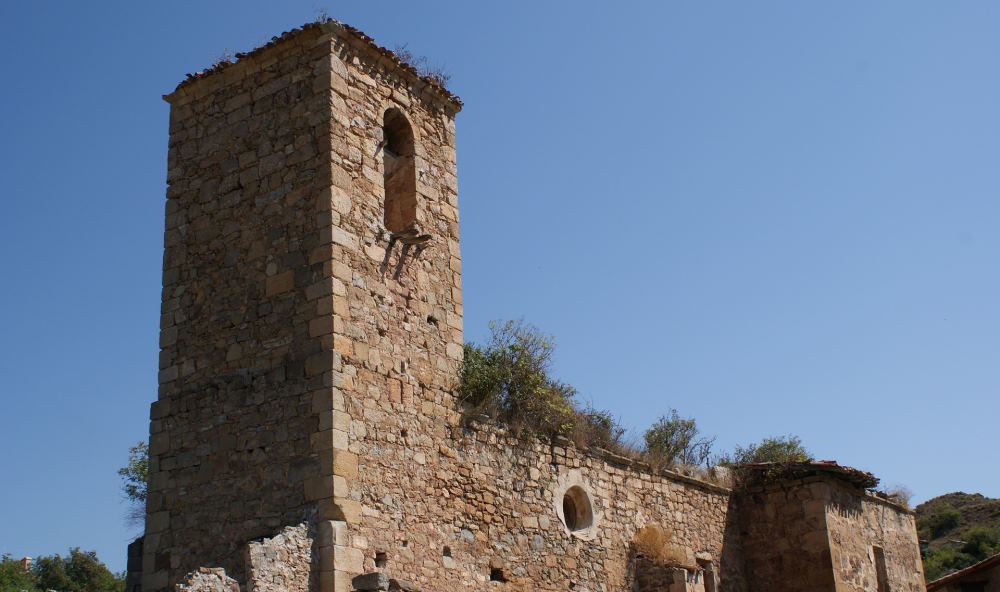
(289, 329)
(306, 436)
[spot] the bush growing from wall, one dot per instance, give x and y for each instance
(779, 449)
(673, 439)
(508, 378)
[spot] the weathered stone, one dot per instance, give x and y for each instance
(371, 581)
(207, 580)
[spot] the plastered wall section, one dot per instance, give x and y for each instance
(242, 374)
(784, 537)
(858, 522)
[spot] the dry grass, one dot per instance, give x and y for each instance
(899, 494)
(654, 543)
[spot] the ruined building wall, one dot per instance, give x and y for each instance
(784, 537)
(230, 436)
(861, 528)
(820, 533)
(311, 336)
(481, 502)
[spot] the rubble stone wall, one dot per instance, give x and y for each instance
(859, 523)
(231, 450)
(819, 533)
(478, 504)
(283, 563)
(784, 538)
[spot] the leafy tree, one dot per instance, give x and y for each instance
(943, 560)
(780, 449)
(673, 438)
(981, 542)
(509, 376)
(135, 474)
(13, 576)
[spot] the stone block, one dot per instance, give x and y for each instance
(280, 283)
(345, 464)
(371, 582)
(348, 559)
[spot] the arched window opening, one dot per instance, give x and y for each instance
(578, 514)
(399, 171)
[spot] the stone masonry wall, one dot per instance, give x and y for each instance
(274, 261)
(448, 513)
(284, 562)
(397, 339)
(784, 538)
(857, 522)
(231, 450)
(818, 533)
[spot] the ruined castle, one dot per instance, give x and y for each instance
(307, 436)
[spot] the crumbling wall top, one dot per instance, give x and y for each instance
(336, 29)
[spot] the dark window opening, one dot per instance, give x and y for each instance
(569, 511)
(446, 551)
(577, 511)
(496, 575)
(881, 574)
(380, 559)
(399, 171)
(708, 574)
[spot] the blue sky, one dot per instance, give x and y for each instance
(775, 217)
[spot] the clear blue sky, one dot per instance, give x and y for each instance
(776, 217)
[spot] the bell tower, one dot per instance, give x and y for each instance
(311, 312)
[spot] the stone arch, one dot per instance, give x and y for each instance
(576, 506)
(399, 170)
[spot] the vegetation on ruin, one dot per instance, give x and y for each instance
(777, 449)
(676, 439)
(80, 571)
(957, 530)
(509, 378)
(423, 65)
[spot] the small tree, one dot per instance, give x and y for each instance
(675, 439)
(509, 376)
(135, 478)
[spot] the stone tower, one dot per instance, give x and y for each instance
(311, 303)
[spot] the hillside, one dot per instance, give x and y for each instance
(956, 530)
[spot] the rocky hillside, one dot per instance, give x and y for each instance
(957, 530)
(937, 525)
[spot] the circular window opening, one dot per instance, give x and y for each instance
(577, 511)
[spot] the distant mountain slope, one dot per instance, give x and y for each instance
(957, 530)
(935, 526)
